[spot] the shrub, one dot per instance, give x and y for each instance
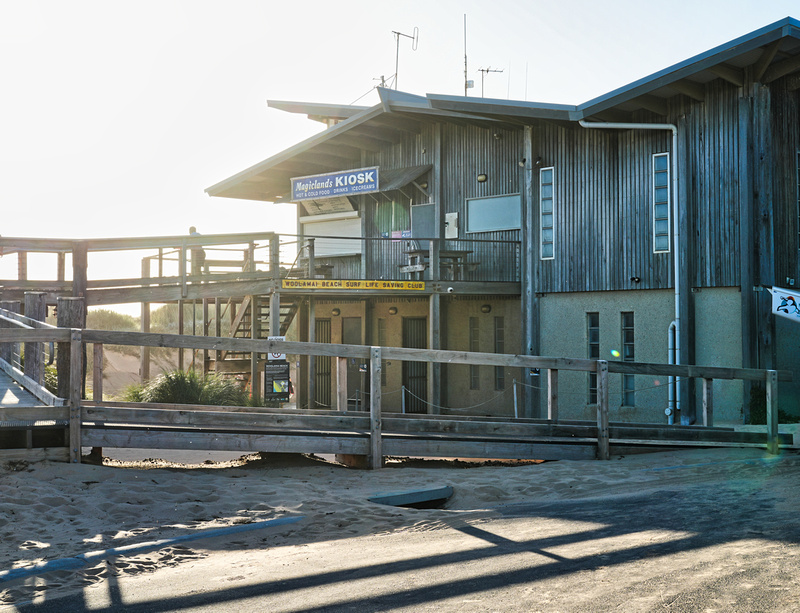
(176, 387)
(179, 387)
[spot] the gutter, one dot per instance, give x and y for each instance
(675, 326)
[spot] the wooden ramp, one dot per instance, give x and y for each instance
(13, 394)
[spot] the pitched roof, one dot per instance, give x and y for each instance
(764, 55)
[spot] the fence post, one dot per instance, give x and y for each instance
(71, 313)
(35, 308)
(375, 442)
(603, 447)
(552, 395)
(773, 445)
(708, 402)
(75, 384)
(341, 384)
(97, 372)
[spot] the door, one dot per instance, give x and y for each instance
(351, 335)
(415, 374)
(322, 366)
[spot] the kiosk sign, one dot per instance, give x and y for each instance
(332, 184)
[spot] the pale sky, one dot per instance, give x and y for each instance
(115, 115)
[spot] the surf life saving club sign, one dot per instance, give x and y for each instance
(333, 184)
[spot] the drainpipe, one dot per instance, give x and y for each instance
(675, 326)
(671, 360)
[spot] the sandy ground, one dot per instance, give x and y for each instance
(713, 530)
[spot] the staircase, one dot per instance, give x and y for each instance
(237, 363)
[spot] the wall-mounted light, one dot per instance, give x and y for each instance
(424, 185)
(486, 308)
(635, 279)
(482, 178)
(336, 312)
(539, 161)
(498, 136)
(392, 310)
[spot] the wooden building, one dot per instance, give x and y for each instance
(642, 225)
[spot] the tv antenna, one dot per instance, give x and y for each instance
(483, 72)
(414, 42)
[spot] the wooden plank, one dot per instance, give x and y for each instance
(38, 454)
(487, 449)
(20, 413)
(413, 497)
(211, 441)
(245, 421)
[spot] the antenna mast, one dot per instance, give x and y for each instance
(466, 82)
(483, 72)
(414, 42)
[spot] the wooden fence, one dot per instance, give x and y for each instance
(375, 434)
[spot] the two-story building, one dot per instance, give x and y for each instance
(644, 225)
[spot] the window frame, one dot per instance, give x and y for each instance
(628, 344)
(499, 347)
(657, 203)
(592, 351)
(552, 227)
(474, 346)
(485, 200)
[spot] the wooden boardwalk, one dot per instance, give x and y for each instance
(13, 394)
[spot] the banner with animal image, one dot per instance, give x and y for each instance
(786, 303)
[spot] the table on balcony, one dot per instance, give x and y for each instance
(453, 262)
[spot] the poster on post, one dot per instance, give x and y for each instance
(277, 385)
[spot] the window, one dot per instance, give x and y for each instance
(340, 226)
(628, 386)
(474, 345)
(593, 350)
(546, 225)
(499, 347)
(495, 213)
(661, 198)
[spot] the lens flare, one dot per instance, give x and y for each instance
(615, 353)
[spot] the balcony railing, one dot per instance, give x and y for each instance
(398, 259)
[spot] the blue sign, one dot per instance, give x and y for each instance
(333, 184)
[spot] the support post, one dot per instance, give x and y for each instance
(375, 442)
(75, 384)
(708, 402)
(341, 384)
(255, 334)
(180, 331)
(35, 308)
(97, 372)
(773, 446)
(435, 342)
(603, 447)
(144, 352)
(71, 314)
(552, 394)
